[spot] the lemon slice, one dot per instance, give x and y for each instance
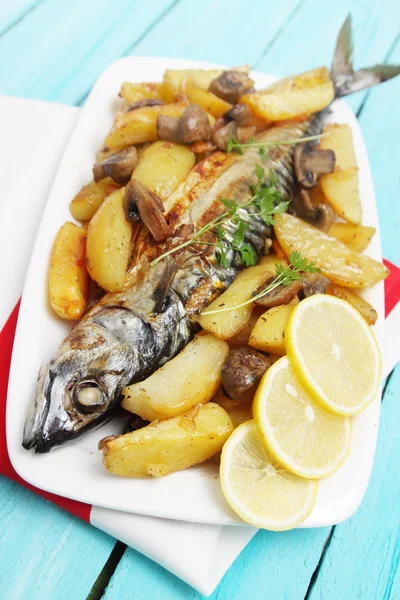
(258, 489)
(334, 353)
(302, 436)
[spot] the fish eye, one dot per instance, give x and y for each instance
(89, 396)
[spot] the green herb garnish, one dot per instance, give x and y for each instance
(283, 276)
(234, 146)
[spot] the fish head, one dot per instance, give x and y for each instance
(78, 390)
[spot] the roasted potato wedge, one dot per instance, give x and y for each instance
(108, 243)
(90, 197)
(363, 307)
(190, 378)
(174, 82)
(268, 333)
(139, 126)
(163, 166)
(168, 446)
(357, 237)
(227, 324)
(280, 106)
(242, 337)
(239, 409)
(134, 92)
(68, 278)
(341, 187)
(303, 81)
(210, 102)
(338, 262)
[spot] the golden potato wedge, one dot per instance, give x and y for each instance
(341, 187)
(90, 197)
(210, 102)
(168, 446)
(242, 337)
(338, 262)
(280, 106)
(190, 378)
(303, 81)
(227, 324)
(108, 243)
(268, 334)
(174, 82)
(357, 237)
(68, 277)
(363, 307)
(139, 125)
(163, 166)
(134, 92)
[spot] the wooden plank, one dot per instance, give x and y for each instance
(69, 45)
(309, 39)
(44, 551)
(363, 555)
(380, 123)
(13, 12)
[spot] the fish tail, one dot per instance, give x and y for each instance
(345, 79)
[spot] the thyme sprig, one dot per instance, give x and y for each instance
(283, 276)
(234, 146)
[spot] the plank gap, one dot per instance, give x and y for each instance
(314, 576)
(21, 17)
(280, 31)
(103, 579)
(385, 60)
(388, 378)
(139, 39)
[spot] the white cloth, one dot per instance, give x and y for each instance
(34, 135)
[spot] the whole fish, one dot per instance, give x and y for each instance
(130, 334)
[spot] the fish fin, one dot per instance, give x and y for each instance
(167, 272)
(345, 79)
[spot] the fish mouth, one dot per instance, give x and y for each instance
(33, 436)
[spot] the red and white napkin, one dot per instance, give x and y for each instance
(197, 553)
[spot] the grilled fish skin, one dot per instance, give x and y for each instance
(128, 335)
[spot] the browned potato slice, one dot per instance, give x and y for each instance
(212, 104)
(227, 324)
(190, 378)
(303, 81)
(90, 197)
(108, 243)
(134, 92)
(339, 263)
(357, 237)
(174, 82)
(68, 277)
(341, 187)
(139, 125)
(167, 446)
(268, 334)
(280, 106)
(163, 166)
(363, 307)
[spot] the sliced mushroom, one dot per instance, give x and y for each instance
(194, 125)
(283, 294)
(145, 102)
(314, 283)
(321, 216)
(243, 368)
(119, 166)
(184, 231)
(310, 162)
(138, 197)
(230, 85)
(240, 113)
(168, 128)
(223, 135)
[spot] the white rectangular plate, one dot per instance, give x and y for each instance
(76, 471)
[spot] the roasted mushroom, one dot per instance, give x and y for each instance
(145, 102)
(230, 85)
(314, 283)
(194, 125)
(119, 166)
(222, 136)
(240, 113)
(283, 294)
(320, 216)
(310, 163)
(243, 368)
(168, 128)
(140, 200)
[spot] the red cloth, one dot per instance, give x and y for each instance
(392, 295)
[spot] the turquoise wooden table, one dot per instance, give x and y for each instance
(55, 50)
